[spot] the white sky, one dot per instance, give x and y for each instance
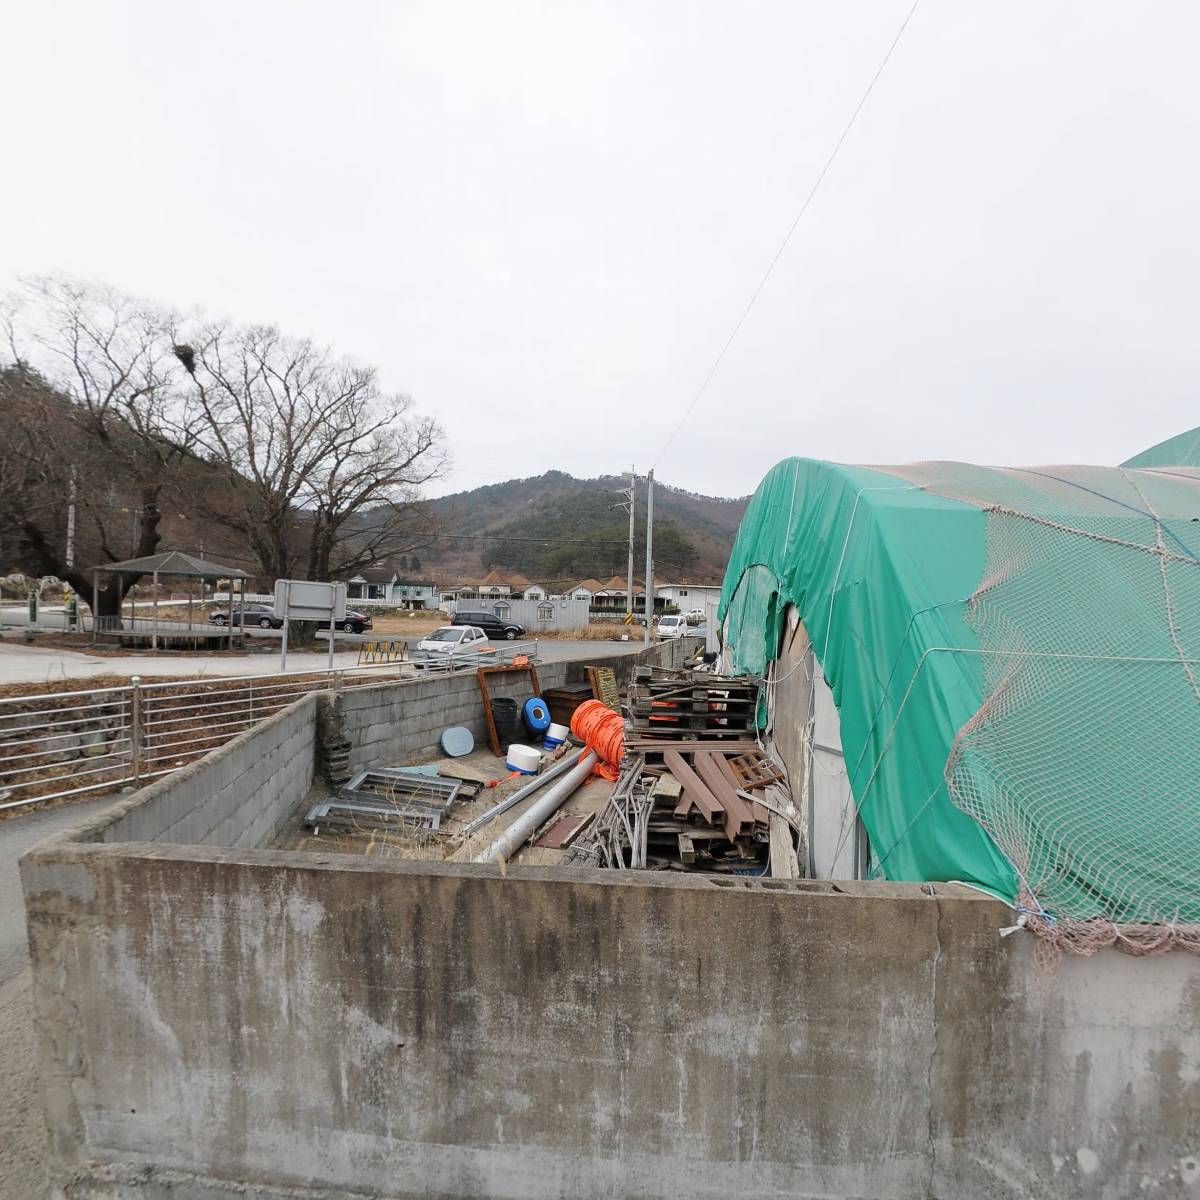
(542, 220)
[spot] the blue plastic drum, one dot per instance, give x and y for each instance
(536, 715)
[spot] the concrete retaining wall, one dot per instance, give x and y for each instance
(386, 724)
(220, 1023)
(239, 795)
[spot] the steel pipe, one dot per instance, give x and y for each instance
(524, 791)
(523, 828)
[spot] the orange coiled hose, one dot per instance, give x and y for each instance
(601, 730)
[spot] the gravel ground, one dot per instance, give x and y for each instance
(22, 1135)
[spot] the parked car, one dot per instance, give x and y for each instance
(447, 642)
(672, 626)
(695, 616)
(356, 622)
(261, 615)
(491, 624)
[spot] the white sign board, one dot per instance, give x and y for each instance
(303, 600)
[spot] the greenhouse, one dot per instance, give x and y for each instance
(1014, 657)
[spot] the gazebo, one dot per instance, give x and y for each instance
(171, 563)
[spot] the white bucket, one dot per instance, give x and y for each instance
(555, 736)
(524, 759)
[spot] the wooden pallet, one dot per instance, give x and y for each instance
(603, 681)
(755, 770)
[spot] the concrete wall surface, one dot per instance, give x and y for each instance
(238, 795)
(395, 721)
(219, 1023)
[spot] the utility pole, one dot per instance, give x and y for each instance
(631, 493)
(649, 555)
(71, 521)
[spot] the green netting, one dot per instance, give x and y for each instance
(1182, 450)
(1015, 658)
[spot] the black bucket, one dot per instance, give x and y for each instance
(505, 714)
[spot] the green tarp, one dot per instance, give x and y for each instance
(1014, 654)
(879, 571)
(1182, 450)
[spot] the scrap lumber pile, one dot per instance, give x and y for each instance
(692, 795)
(672, 707)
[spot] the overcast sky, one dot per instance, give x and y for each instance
(542, 220)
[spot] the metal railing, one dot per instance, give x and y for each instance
(71, 743)
(502, 654)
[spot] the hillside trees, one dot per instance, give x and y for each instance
(271, 444)
(89, 408)
(588, 538)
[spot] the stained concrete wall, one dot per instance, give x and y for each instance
(386, 724)
(238, 1022)
(239, 795)
(219, 1023)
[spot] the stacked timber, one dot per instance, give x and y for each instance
(679, 708)
(704, 818)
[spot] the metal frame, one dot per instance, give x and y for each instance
(504, 669)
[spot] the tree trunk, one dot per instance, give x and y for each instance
(303, 634)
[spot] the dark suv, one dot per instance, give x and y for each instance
(491, 624)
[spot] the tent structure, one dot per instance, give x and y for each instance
(1182, 450)
(169, 563)
(1014, 655)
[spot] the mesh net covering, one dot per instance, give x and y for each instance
(1016, 647)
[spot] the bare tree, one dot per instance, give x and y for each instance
(92, 396)
(323, 468)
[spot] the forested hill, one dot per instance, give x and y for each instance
(556, 527)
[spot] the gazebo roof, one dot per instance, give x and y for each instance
(173, 562)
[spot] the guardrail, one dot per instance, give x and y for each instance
(61, 744)
(459, 660)
(70, 743)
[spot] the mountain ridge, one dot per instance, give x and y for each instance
(562, 529)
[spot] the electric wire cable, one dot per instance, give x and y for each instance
(762, 283)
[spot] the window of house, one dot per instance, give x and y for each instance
(545, 612)
(502, 610)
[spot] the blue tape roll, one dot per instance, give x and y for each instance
(536, 714)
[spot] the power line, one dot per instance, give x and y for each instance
(788, 236)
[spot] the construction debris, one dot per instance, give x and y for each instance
(692, 790)
(391, 798)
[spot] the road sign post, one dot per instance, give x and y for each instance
(307, 600)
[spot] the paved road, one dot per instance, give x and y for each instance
(36, 664)
(21, 1124)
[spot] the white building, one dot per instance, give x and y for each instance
(687, 596)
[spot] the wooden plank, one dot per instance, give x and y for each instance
(697, 741)
(687, 851)
(693, 787)
(493, 736)
(501, 669)
(784, 864)
(565, 830)
(683, 807)
(738, 816)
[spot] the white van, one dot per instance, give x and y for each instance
(672, 626)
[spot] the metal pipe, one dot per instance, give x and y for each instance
(524, 791)
(523, 828)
